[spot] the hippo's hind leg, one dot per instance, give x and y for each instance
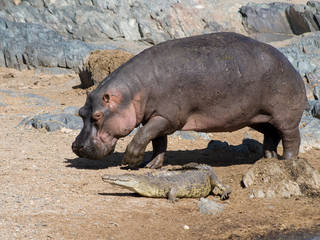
(291, 143)
(271, 138)
(288, 127)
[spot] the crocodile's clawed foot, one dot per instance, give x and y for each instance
(225, 194)
(173, 201)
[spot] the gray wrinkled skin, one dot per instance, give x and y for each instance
(208, 83)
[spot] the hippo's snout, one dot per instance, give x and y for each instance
(78, 149)
(92, 150)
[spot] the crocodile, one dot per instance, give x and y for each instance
(191, 181)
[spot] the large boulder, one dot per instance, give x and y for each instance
(28, 45)
(100, 20)
(266, 22)
(100, 64)
(302, 19)
(271, 178)
(304, 53)
(310, 129)
(68, 119)
(278, 21)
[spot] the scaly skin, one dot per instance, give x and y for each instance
(196, 182)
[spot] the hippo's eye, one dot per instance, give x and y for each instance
(106, 98)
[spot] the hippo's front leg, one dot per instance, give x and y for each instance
(154, 128)
(159, 145)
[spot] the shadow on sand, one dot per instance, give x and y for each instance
(245, 153)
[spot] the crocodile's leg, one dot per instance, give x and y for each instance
(159, 145)
(215, 182)
(172, 195)
(155, 127)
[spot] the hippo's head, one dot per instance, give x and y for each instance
(108, 114)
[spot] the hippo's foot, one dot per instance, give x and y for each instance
(291, 143)
(133, 155)
(159, 145)
(270, 154)
(271, 139)
(149, 132)
(157, 162)
(289, 155)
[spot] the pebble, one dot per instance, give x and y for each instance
(209, 207)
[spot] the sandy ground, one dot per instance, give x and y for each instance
(47, 192)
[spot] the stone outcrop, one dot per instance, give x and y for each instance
(68, 119)
(100, 64)
(310, 128)
(101, 20)
(271, 178)
(278, 21)
(304, 54)
(27, 45)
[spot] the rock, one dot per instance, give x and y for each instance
(316, 109)
(309, 132)
(100, 64)
(311, 106)
(54, 122)
(71, 110)
(272, 178)
(277, 21)
(203, 135)
(191, 135)
(27, 45)
(94, 21)
(268, 19)
(304, 54)
(31, 45)
(316, 92)
(144, 20)
(301, 19)
(186, 227)
(209, 207)
(312, 78)
(185, 135)
(5, 4)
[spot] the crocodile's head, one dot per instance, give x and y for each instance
(135, 183)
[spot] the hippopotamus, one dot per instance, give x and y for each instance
(208, 83)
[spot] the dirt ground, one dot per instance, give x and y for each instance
(47, 192)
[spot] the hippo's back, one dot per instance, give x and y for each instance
(209, 74)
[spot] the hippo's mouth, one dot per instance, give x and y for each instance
(98, 146)
(104, 145)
